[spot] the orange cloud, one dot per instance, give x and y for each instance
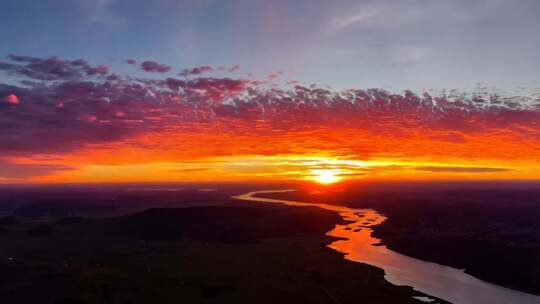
(118, 129)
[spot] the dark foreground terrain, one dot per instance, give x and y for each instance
(218, 254)
(492, 231)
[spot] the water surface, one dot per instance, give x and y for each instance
(357, 244)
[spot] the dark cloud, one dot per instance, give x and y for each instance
(462, 169)
(230, 69)
(131, 61)
(196, 71)
(52, 68)
(155, 67)
(216, 89)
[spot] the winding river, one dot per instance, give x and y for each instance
(443, 282)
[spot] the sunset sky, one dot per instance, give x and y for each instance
(98, 91)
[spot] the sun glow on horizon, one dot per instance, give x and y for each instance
(320, 169)
(325, 176)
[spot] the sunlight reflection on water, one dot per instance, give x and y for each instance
(357, 244)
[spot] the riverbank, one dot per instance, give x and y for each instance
(492, 233)
(494, 244)
(264, 254)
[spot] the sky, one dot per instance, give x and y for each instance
(152, 91)
(405, 44)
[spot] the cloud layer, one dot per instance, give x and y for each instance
(73, 110)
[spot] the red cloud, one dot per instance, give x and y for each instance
(12, 99)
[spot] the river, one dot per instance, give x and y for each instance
(357, 244)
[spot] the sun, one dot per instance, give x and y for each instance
(325, 176)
